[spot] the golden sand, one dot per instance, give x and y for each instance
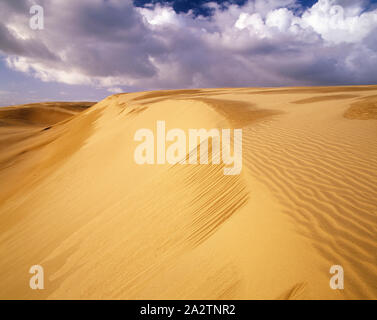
(73, 200)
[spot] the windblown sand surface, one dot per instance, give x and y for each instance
(73, 200)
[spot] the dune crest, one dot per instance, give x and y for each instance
(74, 201)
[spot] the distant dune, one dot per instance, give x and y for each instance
(73, 200)
(43, 113)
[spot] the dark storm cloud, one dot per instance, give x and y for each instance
(28, 48)
(17, 6)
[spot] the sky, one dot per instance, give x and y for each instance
(90, 49)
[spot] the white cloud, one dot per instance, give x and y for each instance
(159, 15)
(253, 22)
(281, 18)
(42, 72)
(115, 90)
(18, 63)
(336, 25)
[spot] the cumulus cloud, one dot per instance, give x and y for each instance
(336, 24)
(113, 44)
(115, 90)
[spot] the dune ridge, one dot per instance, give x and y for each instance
(104, 227)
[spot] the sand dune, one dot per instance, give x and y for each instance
(24, 132)
(46, 113)
(73, 200)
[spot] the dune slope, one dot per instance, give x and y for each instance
(73, 200)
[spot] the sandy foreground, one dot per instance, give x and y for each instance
(73, 200)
